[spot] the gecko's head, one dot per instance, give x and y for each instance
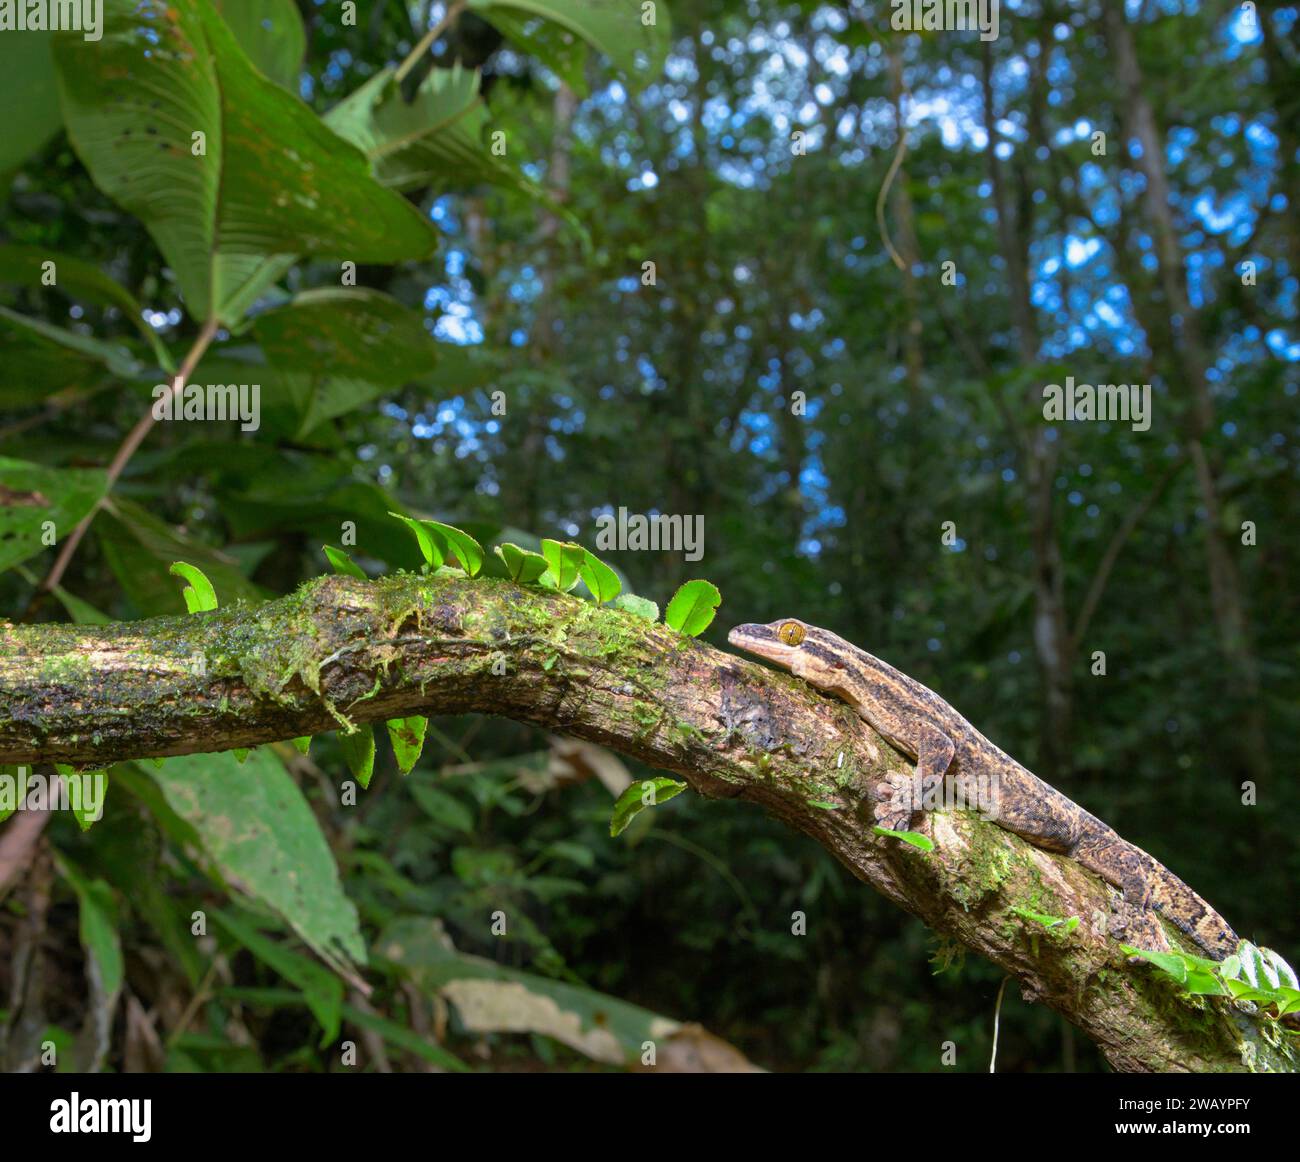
(794, 645)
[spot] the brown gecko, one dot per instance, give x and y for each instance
(944, 745)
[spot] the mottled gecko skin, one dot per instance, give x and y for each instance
(922, 725)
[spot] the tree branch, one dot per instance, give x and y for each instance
(341, 650)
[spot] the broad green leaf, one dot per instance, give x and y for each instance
(613, 27)
(38, 502)
(272, 181)
(358, 748)
(430, 546)
(640, 795)
(335, 349)
(98, 926)
(522, 566)
(563, 562)
(343, 564)
(199, 594)
(41, 359)
(466, 549)
(599, 578)
(637, 606)
(259, 831)
(28, 95)
(692, 607)
(321, 990)
(271, 33)
(915, 838)
(25, 266)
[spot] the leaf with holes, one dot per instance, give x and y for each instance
(407, 737)
(40, 505)
(257, 828)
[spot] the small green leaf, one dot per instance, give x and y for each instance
(1168, 962)
(639, 796)
(241, 753)
(692, 607)
(1204, 984)
(637, 606)
(343, 564)
(915, 838)
(407, 737)
(359, 752)
(823, 804)
(1048, 921)
(199, 594)
(86, 793)
(98, 930)
(599, 578)
(563, 562)
(431, 548)
(466, 549)
(303, 743)
(523, 566)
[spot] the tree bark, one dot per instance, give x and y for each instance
(342, 651)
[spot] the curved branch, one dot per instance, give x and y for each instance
(342, 650)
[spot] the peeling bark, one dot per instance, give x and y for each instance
(340, 651)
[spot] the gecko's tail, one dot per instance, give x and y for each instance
(1183, 908)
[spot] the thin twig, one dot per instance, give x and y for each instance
(427, 41)
(997, 1014)
(123, 456)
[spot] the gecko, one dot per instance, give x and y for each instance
(917, 722)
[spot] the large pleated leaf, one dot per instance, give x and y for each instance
(272, 180)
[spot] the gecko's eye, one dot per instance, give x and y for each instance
(791, 633)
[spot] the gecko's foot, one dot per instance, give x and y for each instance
(1141, 929)
(895, 805)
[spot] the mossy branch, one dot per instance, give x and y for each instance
(341, 650)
